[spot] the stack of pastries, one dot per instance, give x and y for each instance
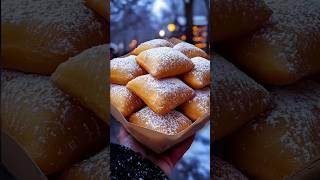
(57, 120)
(162, 86)
(276, 43)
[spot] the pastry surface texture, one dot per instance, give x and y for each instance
(223, 170)
(85, 77)
(164, 62)
(39, 35)
(152, 44)
(236, 18)
(198, 106)
(96, 167)
(170, 123)
(124, 100)
(53, 129)
(199, 76)
(281, 141)
(162, 95)
(286, 49)
(190, 50)
(123, 70)
(236, 97)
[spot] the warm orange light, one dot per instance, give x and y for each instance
(195, 28)
(171, 27)
(198, 39)
(183, 37)
(201, 45)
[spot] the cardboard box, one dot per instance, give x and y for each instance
(156, 141)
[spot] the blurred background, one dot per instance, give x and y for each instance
(135, 21)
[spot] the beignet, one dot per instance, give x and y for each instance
(222, 170)
(233, 18)
(94, 168)
(162, 95)
(174, 40)
(124, 100)
(171, 123)
(198, 106)
(52, 128)
(236, 97)
(39, 35)
(199, 76)
(85, 77)
(283, 140)
(151, 44)
(286, 49)
(123, 70)
(190, 50)
(164, 62)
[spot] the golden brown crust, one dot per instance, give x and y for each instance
(198, 106)
(124, 100)
(286, 49)
(236, 97)
(171, 123)
(53, 129)
(84, 77)
(234, 18)
(190, 50)
(199, 76)
(162, 95)
(151, 44)
(164, 62)
(224, 171)
(123, 70)
(39, 35)
(281, 141)
(95, 167)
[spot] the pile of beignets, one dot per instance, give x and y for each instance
(162, 86)
(267, 130)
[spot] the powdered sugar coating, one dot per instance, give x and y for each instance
(156, 43)
(293, 35)
(297, 109)
(126, 66)
(170, 123)
(164, 62)
(168, 89)
(225, 171)
(200, 73)
(46, 97)
(202, 100)
(234, 92)
(68, 15)
(190, 50)
(39, 117)
(71, 19)
(94, 168)
(234, 18)
(152, 44)
(124, 100)
(201, 68)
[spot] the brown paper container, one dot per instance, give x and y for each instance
(158, 142)
(310, 172)
(17, 161)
